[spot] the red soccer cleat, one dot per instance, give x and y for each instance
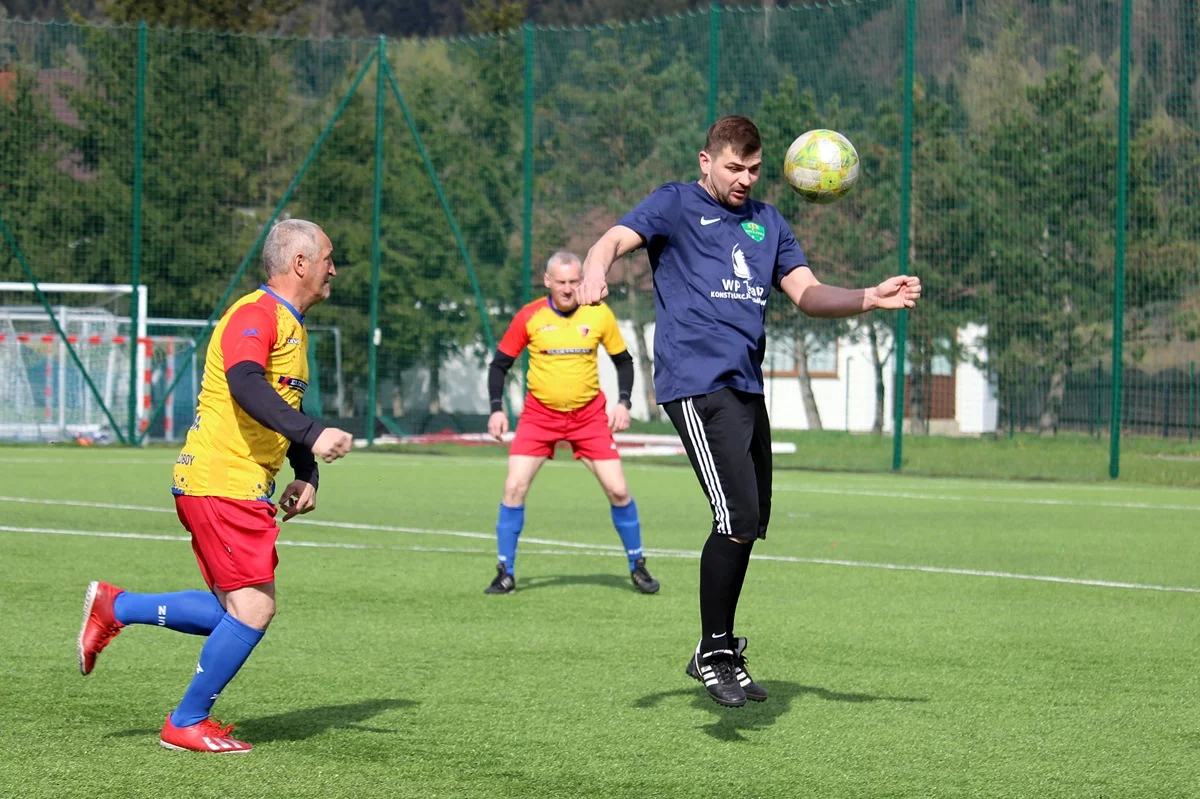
(99, 624)
(206, 736)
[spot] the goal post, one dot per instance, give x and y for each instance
(69, 363)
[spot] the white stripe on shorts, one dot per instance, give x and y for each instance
(708, 468)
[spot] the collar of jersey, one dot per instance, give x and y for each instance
(550, 305)
(299, 316)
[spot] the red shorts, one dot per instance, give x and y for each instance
(234, 539)
(585, 429)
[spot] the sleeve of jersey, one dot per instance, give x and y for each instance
(611, 336)
(788, 255)
(249, 335)
(655, 216)
(517, 336)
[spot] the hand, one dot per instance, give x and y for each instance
(618, 420)
(332, 444)
(901, 291)
(299, 497)
(592, 290)
(498, 425)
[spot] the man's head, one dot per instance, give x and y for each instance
(298, 258)
(730, 160)
(564, 271)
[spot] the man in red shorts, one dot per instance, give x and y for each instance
(248, 419)
(564, 404)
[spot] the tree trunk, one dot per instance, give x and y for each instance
(1048, 421)
(435, 382)
(645, 362)
(916, 388)
(880, 386)
(800, 344)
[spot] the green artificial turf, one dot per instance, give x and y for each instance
(388, 672)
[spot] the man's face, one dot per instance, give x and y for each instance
(318, 272)
(729, 177)
(562, 279)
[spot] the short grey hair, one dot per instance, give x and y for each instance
(286, 239)
(563, 257)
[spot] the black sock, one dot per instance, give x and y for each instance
(743, 564)
(720, 571)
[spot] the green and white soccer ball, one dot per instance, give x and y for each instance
(821, 165)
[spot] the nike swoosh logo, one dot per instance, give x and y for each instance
(718, 635)
(705, 221)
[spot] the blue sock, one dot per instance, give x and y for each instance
(508, 530)
(192, 612)
(223, 654)
(625, 519)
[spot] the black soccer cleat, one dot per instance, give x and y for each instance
(642, 579)
(504, 583)
(716, 670)
(754, 691)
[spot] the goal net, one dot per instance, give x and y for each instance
(46, 394)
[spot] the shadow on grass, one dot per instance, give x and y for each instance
(621, 582)
(731, 722)
(298, 725)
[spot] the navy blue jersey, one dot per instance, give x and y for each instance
(714, 268)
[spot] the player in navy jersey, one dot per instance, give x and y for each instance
(716, 256)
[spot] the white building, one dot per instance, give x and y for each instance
(963, 400)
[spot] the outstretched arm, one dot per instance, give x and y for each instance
(816, 299)
(616, 243)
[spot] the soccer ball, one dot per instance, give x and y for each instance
(821, 165)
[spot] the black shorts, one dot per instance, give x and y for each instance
(727, 436)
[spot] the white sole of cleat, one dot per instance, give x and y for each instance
(89, 598)
(175, 748)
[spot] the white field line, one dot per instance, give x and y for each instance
(571, 547)
(1070, 503)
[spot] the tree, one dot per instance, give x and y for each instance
(34, 160)
(623, 119)
(222, 138)
(427, 306)
(1048, 288)
(250, 16)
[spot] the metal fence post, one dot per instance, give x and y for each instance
(1114, 452)
(910, 41)
(376, 225)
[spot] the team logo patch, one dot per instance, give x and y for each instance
(583, 330)
(293, 382)
(754, 230)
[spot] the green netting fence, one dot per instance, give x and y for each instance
(1036, 162)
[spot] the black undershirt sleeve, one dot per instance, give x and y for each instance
(251, 391)
(496, 372)
(624, 363)
(304, 463)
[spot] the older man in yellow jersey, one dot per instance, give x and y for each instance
(248, 419)
(564, 403)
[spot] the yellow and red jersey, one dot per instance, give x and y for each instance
(227, 453)
(562, 350)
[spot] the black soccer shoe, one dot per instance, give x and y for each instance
(754, 691)
(504, 583)
(642, 579)
(716, 670)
